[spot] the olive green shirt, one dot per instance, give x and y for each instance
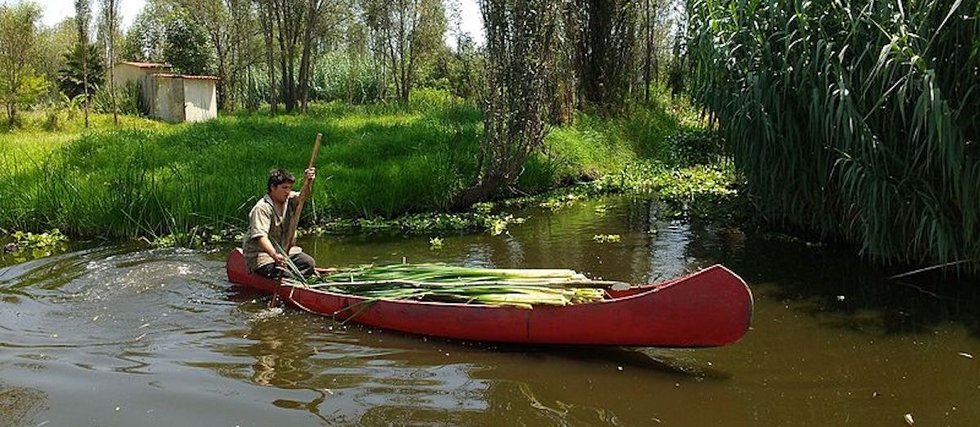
(265, 219)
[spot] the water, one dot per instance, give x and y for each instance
(122, 336)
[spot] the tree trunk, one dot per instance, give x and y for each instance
(519, 41)
(287, 37)
(646, 63)
(482, 191)
(305, 64)
(224, 85)
(268, 27)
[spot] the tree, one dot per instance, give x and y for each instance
(288, 20)
(227, 26)
(267, 22)
(298, 27)
(146, 38)
(406, 31)
(83, 15)
(606, 38)
(110, 22)
(520, 34)
(466, 69)
(51, 45)
(81, 74)
(462, 66)
(19, 82)
(186, 46)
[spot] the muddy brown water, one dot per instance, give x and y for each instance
(128, 336)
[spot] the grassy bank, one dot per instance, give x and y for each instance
(150, 179)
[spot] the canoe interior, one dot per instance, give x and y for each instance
(712, 307)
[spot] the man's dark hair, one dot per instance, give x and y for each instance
(279, 176)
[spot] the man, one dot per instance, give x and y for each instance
(267, 224)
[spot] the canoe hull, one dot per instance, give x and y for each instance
(712, 307)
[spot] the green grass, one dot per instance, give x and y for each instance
(666, 133)
(147, 178)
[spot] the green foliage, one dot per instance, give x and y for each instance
(186, 47)
(42, 240)
(146, 37)
(24, 246)
(696, 146)
(423, 223)
(20, 84)
(127, 100)
(607, 238)
(379, 161)
(53, 113)
(406, 35)
(464, 69)
(72, 76)
(677, 70)
(344, 77)
(24, 90)
(604, 48)
(670, 134)
(382, 168)
(858, 120)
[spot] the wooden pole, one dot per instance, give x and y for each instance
(294, 220)
(301, 200)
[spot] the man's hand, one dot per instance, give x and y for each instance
(310, 174)
(279, 258)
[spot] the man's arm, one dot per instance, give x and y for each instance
(266, 246)
(259, 220)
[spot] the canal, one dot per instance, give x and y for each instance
(120, 335)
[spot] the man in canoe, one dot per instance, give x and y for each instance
(268, 223)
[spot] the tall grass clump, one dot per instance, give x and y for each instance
(350, 78)
(856, 119)
(667, 133)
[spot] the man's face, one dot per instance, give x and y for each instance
(280, 193)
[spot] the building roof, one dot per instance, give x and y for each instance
(146, 64)
(182, 76)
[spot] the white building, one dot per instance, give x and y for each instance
(167, 96)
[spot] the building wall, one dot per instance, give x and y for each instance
(125, 73)
(166, 98)
(176, 99)
(200, 100)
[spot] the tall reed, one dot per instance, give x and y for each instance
(857, 119)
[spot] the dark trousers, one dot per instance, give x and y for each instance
(305, 263)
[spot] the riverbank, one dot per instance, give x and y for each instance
(378, 162)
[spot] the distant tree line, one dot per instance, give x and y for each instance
(287, 53)
(543, 60)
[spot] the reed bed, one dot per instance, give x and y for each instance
(858, 120)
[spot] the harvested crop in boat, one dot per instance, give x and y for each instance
(523, 288)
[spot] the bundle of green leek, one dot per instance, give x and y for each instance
(522, 288)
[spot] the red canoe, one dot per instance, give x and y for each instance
(712, 307)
